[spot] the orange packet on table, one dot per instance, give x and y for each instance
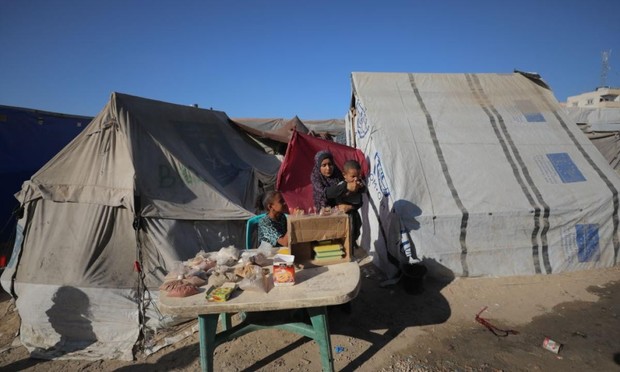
(283, 274)
(283, 270)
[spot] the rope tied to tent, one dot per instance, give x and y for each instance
(144, 295)
(141, 285)
(495, 330)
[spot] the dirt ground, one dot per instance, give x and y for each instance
(391, 330)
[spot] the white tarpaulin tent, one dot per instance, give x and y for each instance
(483, 173)
(599, 119)
(181, 174)
(602, 126)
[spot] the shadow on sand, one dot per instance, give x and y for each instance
(380, 314)
(377, 315)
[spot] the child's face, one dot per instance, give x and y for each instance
(278, 204)
(327, 167)
(351, 175)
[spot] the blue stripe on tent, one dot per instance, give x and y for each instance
(565, 167)
(534, 118)
(587, 242)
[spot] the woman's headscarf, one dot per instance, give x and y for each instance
(320, 182)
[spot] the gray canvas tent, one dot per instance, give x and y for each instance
(274, 134)
(480, 174)
(181, 175)
(602, 126)
(279, 130)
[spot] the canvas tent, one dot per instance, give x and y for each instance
(480, 174)
(279, 130)
(182, 176)
(602, 126)
(333, 127)
(271, 134)
(28, 139)
(274, 134)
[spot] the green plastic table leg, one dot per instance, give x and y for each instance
(225, 321)
(320, 323)
(207, 328)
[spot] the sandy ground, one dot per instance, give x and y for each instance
(391, 330)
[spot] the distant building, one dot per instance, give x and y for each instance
(602, 97)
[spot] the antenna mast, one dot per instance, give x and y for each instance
(604, 66)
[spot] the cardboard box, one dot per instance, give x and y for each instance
(307, 231)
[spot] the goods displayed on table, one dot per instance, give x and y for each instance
(327, 250)
(179, 288)
(283, 270)
(320, 240)
(224, 271)
(284, 250)
(254, 277)
(221, 294)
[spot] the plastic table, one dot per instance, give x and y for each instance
(315, 289)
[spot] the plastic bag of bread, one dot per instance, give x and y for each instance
(178, 270)
(199, 273)
(227, 256)
(261, 260)
(220, 277)
(195, 280)
(202, 261)
(255, 279)
(245, 270)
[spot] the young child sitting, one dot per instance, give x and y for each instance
(347, 195)
(272, 227)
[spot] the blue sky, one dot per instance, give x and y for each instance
(285, 58)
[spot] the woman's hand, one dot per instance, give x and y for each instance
(283, 240)
(344, 208)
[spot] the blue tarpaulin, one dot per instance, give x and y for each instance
(28, 139)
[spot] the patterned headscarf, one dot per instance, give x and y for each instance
(320, 182)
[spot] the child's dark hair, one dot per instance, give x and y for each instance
(351, 164)
(268, 198)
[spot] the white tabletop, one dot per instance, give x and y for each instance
(317, 286)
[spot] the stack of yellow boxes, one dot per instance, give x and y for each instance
(327, 250)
